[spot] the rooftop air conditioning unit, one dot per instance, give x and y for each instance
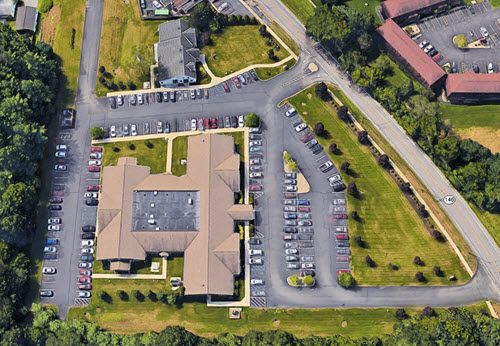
(190, 201)
(151, 222)
(151, 216)
(157, 228)
(152, 205)
(155, 193)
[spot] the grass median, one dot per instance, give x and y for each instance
(302, 9)
(151, 153)
(393, 233)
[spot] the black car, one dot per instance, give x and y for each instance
(87, 236)
(471, 8)
(91, 201)
(158, 97)
(234, 121)
(254, 75)
(339, 187)
(49, 256)
(172, 96)
(432, 52)
(87, 258)
(254, 241)
(317, 149)
(88, 228)
(55, 207)
(307, 272)
(343, 243)
(290, 230)
(476, 68)
(112, 102)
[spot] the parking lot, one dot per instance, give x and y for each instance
(297, 233)
(439, 31)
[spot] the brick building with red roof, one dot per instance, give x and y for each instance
(407, 11)
(470, 87)
(409, 54)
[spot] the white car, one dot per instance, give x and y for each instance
(291, 251)
(255, 161)
(290, 112)
(60, 154)
(157, 4)
(159, 127)
(254, 252)
(62, 147)
(193, 93)
(423, 44)
(112, 132)
(484, 31)
(241, 121)
(255, 143)
(334, 178)
(54, 220)
(86, 265)
(255, 261)
(193, 125)
(428, 48)
(140, 99)
(87, 243)
(256, 175)
(90, 195)
(307, 265)
(490, 68)
(53, 227)
(120, 100)
(256, 282)
(50, 249)
(95, 162)
(84, 294)
(301, 127)
(48, 270)
(87, 250)
(133, 129)
(95, 155)
(291, 188)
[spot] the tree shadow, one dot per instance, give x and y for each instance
(326, 135)
(152, 297)
(140, 297)
(352, 173)
(125, 297)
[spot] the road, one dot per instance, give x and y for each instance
(262, 98)
(480, 241)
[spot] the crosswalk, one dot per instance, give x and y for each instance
(82, 301)
(257, 302)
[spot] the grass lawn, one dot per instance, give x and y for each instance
(286, 38)
(134, 317)
(201, 75)
(490, 221)
(179, 152)
(155, 157)
(137, 267)
(359, 5)
(302, 9)
(394, 234)
(269, 72)
(480, 123)
(236, 48)
(126, 49)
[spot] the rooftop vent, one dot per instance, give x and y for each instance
(152, 205)
(151, 222)
(155, 193)
(157, 228)
(190, 201)
(151, 216)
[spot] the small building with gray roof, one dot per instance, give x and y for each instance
(177, 54)
(26, 19)
(194, 214)
(7, 9)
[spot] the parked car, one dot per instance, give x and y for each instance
(255, 143)
(254, 75)
(54, 220)
(437, 58)
(290, 175)
(254, 130)
(256, 282)
(307, 138)
(95, 156)
(255, 149)
(432, 52)
(343, 243)
(241, 121)
(84, 279)
(490, 68)
(484, 31)
(289, 208)
(53, 227)
(291, 251)
(126, 131)
(291, 111)
(205, 92)
(428, 48)
(226, 88)
(291, 258)
(307, 265)
(51, 241)
(291, 188)
(325, 167)
(91, 195)
(290, 230)
(140, 99)
(343, 271)
(256, 175)
(60, 154)
(292, 265)
(289, 216)
(343, 251)
(300, 127)
(423, 44)
(85, 265)
(258, 260)
(255, 252)
(307, 273)
(304, 215)
(287, 237)
(55, 207)
(88, 228)
(95, 162)
(312, 143)
(342, 259)
(255, 161)
(86, 258)
(46, 294)
(236, 82)
(290, 181)
(254, 241)
(85, 287)
(454, 68)
(304, 209)
(338, 201)
(49, 249)
(84, 294)
(302, 202)
(60, 168)
(291, 245)
(87, 251)
(290, 202)
(341, 229)
(290, 195)
(61, 147)
(342, 237)
(290, 223)
(305, 223)
(87, 243)
(49, 270)
(476, 68)
(214, 123)
(133, 99)
(254, 188)
(340, 216)
(87, 236)
(55, 200)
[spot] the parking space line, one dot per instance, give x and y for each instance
(484, 6)
(444, 20)
(463, 14)
(437, 20)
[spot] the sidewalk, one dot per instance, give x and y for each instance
(161, 276)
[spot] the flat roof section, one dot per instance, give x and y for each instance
(470, 82)
(169, 210)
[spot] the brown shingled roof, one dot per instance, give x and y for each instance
(212, 253)
(396, 8)
(399, 40)
(470, 82)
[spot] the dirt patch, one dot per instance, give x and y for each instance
(276, 323)
(303, 103)
(98, 310)
(344, 324)
(49, 25)
(87, 315)
(309, 95)
(117, 71)
(305, 113)
(485, 136)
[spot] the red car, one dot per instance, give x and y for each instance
(94, 169)
(307, 138)
(85, 272)
(341, 216)
(95, 149)
(343, 271)
(305, 209)
(237, 82)
(84, 280)
(254, 188)
(342, 258)
(55, 200)
(207, 123)
(342, 237)
(214, 123)
(57, 192)
(437, 57)
(93, 188)
(86, 287)
(224, 85)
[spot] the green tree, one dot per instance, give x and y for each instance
(135, 294)
(252, 120)
(448, 149)
(308, 280)
(45, 5)
(202, 16)
(101, 294)
(346, 280)
(148, 293)
(292, 165)
(97, 133)
(294, 279)
(120, 294)
(460, 40)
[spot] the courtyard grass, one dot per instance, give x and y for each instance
(265, 73)
(202, 76)
(136, 268)
(126, 49)
(302, 9)
(179, 152)
(393, 234)
(278, 30)
(129, 317)
(155, 157)
(238, 47)
(359, 5)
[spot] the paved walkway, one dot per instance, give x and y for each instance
(161, 276)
